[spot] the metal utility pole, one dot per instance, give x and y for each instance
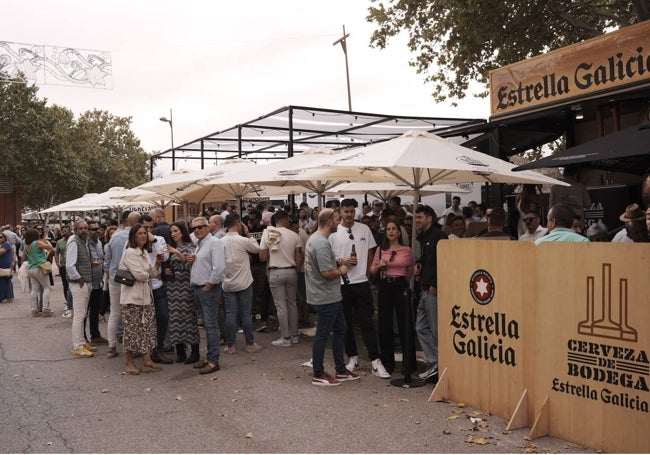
(342, 40)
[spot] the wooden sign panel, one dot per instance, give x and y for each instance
(618, 60)
(592, 371)
(486, 307)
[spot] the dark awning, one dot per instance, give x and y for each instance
(627, 150)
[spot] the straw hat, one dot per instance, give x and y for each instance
(632, 212)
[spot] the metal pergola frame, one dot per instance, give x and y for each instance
(294, 129)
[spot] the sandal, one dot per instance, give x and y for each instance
(131, 372)
(111, 353)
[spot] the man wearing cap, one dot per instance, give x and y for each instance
(635, 229)
(560, 219)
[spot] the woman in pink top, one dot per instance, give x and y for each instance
(393, 266)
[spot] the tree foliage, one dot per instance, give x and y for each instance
(458, 41)
(56, 158)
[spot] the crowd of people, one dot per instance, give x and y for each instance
(156, 284)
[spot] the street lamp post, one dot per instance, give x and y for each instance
(171, 128)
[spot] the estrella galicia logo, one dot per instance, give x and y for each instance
(481, 286)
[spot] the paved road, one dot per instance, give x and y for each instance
(51, 402)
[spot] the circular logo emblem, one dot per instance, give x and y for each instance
(481, 286)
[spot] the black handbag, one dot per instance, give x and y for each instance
(124, 277)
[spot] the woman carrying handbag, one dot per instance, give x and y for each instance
(138, 314)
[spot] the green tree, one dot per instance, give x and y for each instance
(111, 151)
(55, 158)
(458, 41)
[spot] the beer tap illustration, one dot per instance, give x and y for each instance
(610, 323)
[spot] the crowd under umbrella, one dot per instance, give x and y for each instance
(417, 159)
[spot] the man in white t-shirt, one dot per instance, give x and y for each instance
(357, 297)
(534, 230)
(453, 210)
(281, 249)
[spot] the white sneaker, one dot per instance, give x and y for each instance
(353, 363)
(67, 314)
(379, 370)
(282, 342)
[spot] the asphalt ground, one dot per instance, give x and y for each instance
(51, 402)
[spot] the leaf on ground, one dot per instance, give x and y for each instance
(404, 399)
(223, 414)
(179, 398)
(214, 378)
(506, 432)
(235, 391)
(530, 448)
(148, 389)
(406, 386)
(472, 440)
(105, 390)
(249, 435)
(474, 414)
(458, 411)
(483, 424)
(233, 400)
(49, 443)
(446, 431)
(461, 405)
(452, 417)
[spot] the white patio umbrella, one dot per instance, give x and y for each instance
(299, 175)
(81, 204)
(386, 190)
(117, 197)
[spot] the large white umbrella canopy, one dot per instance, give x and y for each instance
(81, 204)
(419, 158)
(299, 175)
(386, 190)
(114, 198)
(216, 185)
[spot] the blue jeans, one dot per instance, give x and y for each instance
(329, 318)
(209, 303)
(238, 308)
(162, 316)
(426, 326)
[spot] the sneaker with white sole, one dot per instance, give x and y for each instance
(284, 342)
(250, 348)
(379, 370)
(346, 376)
(353, 363)
(67, 314)
(82, 352)
(230, 350)
(430, 373)
(295, 339)
(325, 380)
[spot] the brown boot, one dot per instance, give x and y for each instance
(47, 313)
(36, 314)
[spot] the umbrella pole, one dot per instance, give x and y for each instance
(409, 335)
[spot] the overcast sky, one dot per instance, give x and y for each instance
(220, 63)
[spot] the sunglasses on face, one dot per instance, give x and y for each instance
(196, 228)
(93, 229)
(528, 220)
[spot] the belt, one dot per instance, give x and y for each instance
(282, 268)
(392, 279)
